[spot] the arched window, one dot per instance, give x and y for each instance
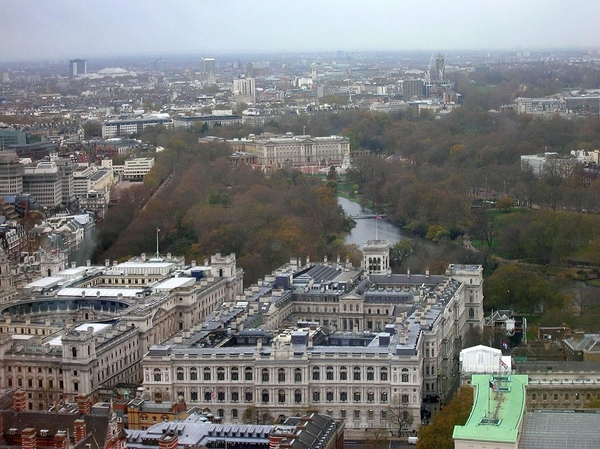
(220, 373)
(316, 373)
(265, 375)
(207, 395)
(157, 375)
(343, 373)
(281, 375)
(370, 373)
(297, 396)
(281, 396)
(316, 397)
(265, 396)
(179, 373)
(383, 373)
(383, 397)
(193, 373)
(248, 373)
(404, 375)
(235, 373)
(405, 399)
(356, 373)
(329, 372)
(74, 351)
(471, 312)
(297, 375)
(206, 373)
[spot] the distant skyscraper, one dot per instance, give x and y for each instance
(158, 65)
(438, 72)
(77, 67)
(412, 88)
(208, 65)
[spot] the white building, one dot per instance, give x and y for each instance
(136, 169)
(134, 126)
(44, 182)
(294, 150)
(244, 90)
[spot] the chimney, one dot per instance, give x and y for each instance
(80, 430)
(28, 438)
(60, 440)
(408, 271)
(578, 335)
(73, 265)
(20, 401)
(88, 263)
(84, 405)
(168, 441)
(427, 272)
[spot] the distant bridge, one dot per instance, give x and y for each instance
(362, 216)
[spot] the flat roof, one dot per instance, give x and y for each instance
(173, 283)
(92, 292)
(57, 341)
(503, 410)
(45, 282)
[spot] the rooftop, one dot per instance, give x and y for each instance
(497, 412)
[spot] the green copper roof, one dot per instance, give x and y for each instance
(496, 415)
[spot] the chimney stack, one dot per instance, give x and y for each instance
(20, 401)
(28, 438)
(168, 441)
(60, 440)
(80, 430)
(84, 405)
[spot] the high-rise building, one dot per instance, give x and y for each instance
(77, 67)
(412, 88)
(158, 65)
(11, 173)
(208, 65)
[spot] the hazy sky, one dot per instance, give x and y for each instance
(42, 29)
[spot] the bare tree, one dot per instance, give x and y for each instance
(400, 414)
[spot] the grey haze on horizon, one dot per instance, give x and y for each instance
(42, 30)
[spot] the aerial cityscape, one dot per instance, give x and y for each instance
(322, 225)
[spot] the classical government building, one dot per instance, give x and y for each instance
(356, 344)
(290, 150)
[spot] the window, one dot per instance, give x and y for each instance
(329, 396)
(249, 396)
(383, 415)
(343, 373)
(343, 396)
(234, 414)
(235, 374)
(179, 373)
(370, 415)
(343, 413)
(566, 396)
(356, 415)
(221, 396)
(356, 373)
(405, 399)
(383, 373)
(281, 375)
(221, 373)
(235, 396)
(316, 396)
(404, 375)
(247, 373)
(471, 312)
(329, 373)
(75, 386)
(220, 413)
(207, 396)
(157, 375)
(357, 396)
(194, 395)
(193, 373)
(206, 374)
(370, 396)
(265, 396)
(297, 396)
(533, 396)
(265, 375)
(281, 396)
(370, 373)
(383, 397)
(316, 373)
(297, 375)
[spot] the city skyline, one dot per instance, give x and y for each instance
(69, 29)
